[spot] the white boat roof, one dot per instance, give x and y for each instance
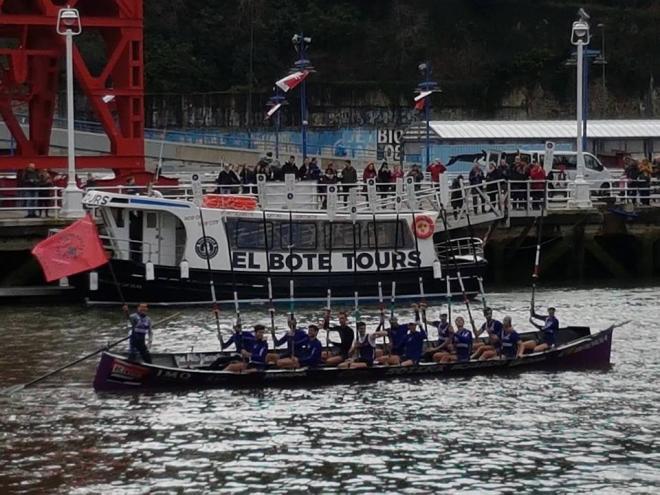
(538, 129)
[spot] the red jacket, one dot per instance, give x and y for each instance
(537, 176)
(436, 169)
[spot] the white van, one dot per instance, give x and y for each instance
(593, 169)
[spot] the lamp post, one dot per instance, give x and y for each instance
(301, 44)
(68, 25)
(580, 37)
(275, 104)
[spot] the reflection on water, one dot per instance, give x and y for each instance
(536, 432)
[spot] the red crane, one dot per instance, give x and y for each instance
(30, 62)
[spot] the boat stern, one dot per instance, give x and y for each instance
(116, 373)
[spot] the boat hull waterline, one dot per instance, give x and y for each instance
(116, 373)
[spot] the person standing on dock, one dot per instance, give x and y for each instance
(140, 330)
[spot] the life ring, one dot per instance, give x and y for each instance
(229, 202)
(424, 227)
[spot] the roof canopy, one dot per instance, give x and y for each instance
(534, 129)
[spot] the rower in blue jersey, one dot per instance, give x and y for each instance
(511, 344)
(309, 355)
(548, 330)
(462, 343)
(255, 357)
(413, 346)
(243, 341)
(442, 345)
(493, 329)
(295, 339)
(141, 333)
(363, 351)
(397, 335)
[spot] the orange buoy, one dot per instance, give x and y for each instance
(424, 227)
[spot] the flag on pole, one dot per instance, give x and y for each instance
(74, 249)
(420, 100)
(292, 80)
(272, 110)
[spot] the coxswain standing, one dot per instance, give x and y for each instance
(549, 331)
(256, 356)
(364, 348)
(140, 329)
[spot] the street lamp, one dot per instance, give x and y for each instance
(275, 104)
(424, 90)
(301, 44)
(580, 37)
(68, 25)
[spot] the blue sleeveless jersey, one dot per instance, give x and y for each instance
(550, 329)
(366, 351)
(141, 324)
(510, 344)
(496, 328)
(259, 351)
(414, 345)
(463, 344)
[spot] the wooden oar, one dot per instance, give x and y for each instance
(16, 388)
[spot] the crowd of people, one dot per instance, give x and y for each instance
(404, 344)
(35, 190)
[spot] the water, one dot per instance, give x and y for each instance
(537, 432)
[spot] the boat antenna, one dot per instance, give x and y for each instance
(480, 281)
(412, 204)
(537, 258)
(197, 199)
(397, 206)
(443, 214)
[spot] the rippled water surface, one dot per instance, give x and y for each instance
(537, 432)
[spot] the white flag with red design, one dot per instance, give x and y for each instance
(292, 80)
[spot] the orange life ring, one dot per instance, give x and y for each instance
(229, 202)
(424, 227)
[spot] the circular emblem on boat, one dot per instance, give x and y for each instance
(206, 245)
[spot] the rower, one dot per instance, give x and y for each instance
(140, 329)
(296, 340)
(346, 336)
(511, 344)
(364, 348)
(309, 356)
(492, 347)
(257, 355)
(493, 329)
(443, 327)
(397, 335)
(414, 344)
(241, 340)
(549, 331)
(462, 343)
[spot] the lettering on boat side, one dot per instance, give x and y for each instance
(318, 261)
(96, 199)
(122, 369)
(173, 375)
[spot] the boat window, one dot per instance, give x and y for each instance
(302, 236)
(388, 236)
(118, 213)
(342, 236)
(152, 220)
(248, 234)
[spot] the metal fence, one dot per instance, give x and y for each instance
(32, 201)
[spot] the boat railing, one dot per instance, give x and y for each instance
(132, 247)
(463, 247)
(31, 201)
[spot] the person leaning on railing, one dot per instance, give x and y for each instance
(644, 181)
(45, 194)
(29, 181)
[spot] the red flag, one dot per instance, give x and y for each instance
(74, 249)
(292, 80)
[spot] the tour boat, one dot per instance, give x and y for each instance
(577, 348)
(333, 242)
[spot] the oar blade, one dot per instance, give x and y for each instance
(12, 390)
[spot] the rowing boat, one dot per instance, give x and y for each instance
(577, 348)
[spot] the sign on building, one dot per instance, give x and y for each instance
(388, 145)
